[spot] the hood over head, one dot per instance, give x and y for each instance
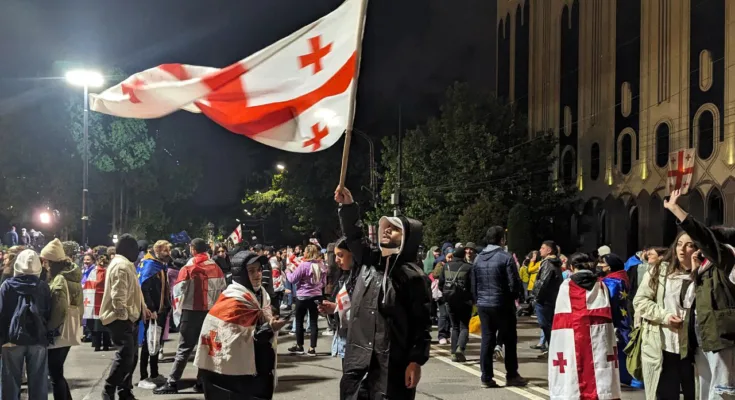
(584, 278)
(412, 235)
(459, 252)
(28, 262)
(240, 262)
(614, 261)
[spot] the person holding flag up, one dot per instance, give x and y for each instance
(153, 278)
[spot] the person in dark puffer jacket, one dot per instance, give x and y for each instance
(496, 285)
(547, 287)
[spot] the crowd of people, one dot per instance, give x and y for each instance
(662, 320)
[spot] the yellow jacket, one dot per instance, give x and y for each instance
(532, 273)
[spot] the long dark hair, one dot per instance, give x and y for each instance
(672, 264)
(56, 267)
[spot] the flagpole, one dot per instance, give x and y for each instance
(353, 96)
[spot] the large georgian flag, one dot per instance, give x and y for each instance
(198, 286)
(226, 343)
(92, 292)
(295, 95)
(583, 356)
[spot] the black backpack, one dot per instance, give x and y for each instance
(454, 289)
(26, 326)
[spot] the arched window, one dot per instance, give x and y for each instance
(662, 144)
(567, 167)
(705, 127)
(715, 208)
(626, 154)
(595, 161)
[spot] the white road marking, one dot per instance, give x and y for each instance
(475, 372)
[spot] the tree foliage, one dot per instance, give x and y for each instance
(473, 160)
(520, 230)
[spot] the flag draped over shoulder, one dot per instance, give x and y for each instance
(149, 267)
(583, 356)
(226, 342)
(198, 286)
(295, 95)
(92, 291)
(618, 286)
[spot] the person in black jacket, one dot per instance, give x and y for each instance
(547, 287)
(389, 332)
(456, 286)
(496, 285)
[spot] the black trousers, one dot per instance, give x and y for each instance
(676, 375)
(500, 320)
(100, 334)
(459, 316)
(377, 382)
(124, 335)
(56, 359)
(235, 387)
(302, 306)
(146, 357)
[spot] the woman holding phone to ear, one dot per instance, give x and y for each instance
(310, 280)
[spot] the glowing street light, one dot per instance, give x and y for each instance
(45, 218)
(85, 79)
(247, 212)
(238, 220)
(114, 239)
(280, 167)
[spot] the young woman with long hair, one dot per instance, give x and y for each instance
(668, 363)
(310, 279)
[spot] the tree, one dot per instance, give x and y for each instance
(477, 148)
(520, 230)
(479, 216)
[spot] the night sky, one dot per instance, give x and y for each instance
(413, 49)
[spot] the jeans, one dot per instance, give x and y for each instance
(545, 318)
(56, 359)
(460, 315)
(289, 297)
(35, 358)
(124, 335)
(302, 306)
(191, 326)
(444, 324)
(716, 377)
(492, 321)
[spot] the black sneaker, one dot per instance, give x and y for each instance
(537, 346)
(491, 384)
(199, 388)
(296, 350)
(459, 357)
(168, 388)
(517, 381)
(311, 353)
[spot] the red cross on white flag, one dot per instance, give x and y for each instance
(297, 94)
(681, 170)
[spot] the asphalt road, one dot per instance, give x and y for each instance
(317, 378)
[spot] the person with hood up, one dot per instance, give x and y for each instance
(236, 350)
(153, 278)
(121, 309)
(389, 329)
(25, 309)
(546, 287)
(496, 285)
(618, 286)
(585, 362)
(66, 298)
(431, 256)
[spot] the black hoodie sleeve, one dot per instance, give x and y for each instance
(349, 220)
(420, 320)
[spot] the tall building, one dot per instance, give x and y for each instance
(623, 83)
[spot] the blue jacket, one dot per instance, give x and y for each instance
(495, 278)
(10, 292)
(11, 238)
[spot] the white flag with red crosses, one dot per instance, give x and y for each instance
(294, 95)
(681, 170)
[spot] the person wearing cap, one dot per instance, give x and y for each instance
(197, 288)
(389, 332)
(470, 252)
(24, 345)
(121, 309)
(66, 292)
(243, 361)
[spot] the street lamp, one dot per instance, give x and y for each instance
(280, 167)
(247, 212)
(86, 79)
(45, 218)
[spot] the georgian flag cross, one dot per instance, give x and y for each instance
(296, 94)
(681, 170)
(583, 361)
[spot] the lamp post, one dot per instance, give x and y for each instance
(86, 79)
(280, 167)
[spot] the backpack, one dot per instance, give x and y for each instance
(454, 290)
(26, 326)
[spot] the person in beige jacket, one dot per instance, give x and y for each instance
(122, 307)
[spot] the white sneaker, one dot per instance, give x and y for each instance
(283, 306)
(147, 384)
(442, 341)
(328, 332)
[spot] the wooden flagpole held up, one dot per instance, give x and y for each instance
(353, 96)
